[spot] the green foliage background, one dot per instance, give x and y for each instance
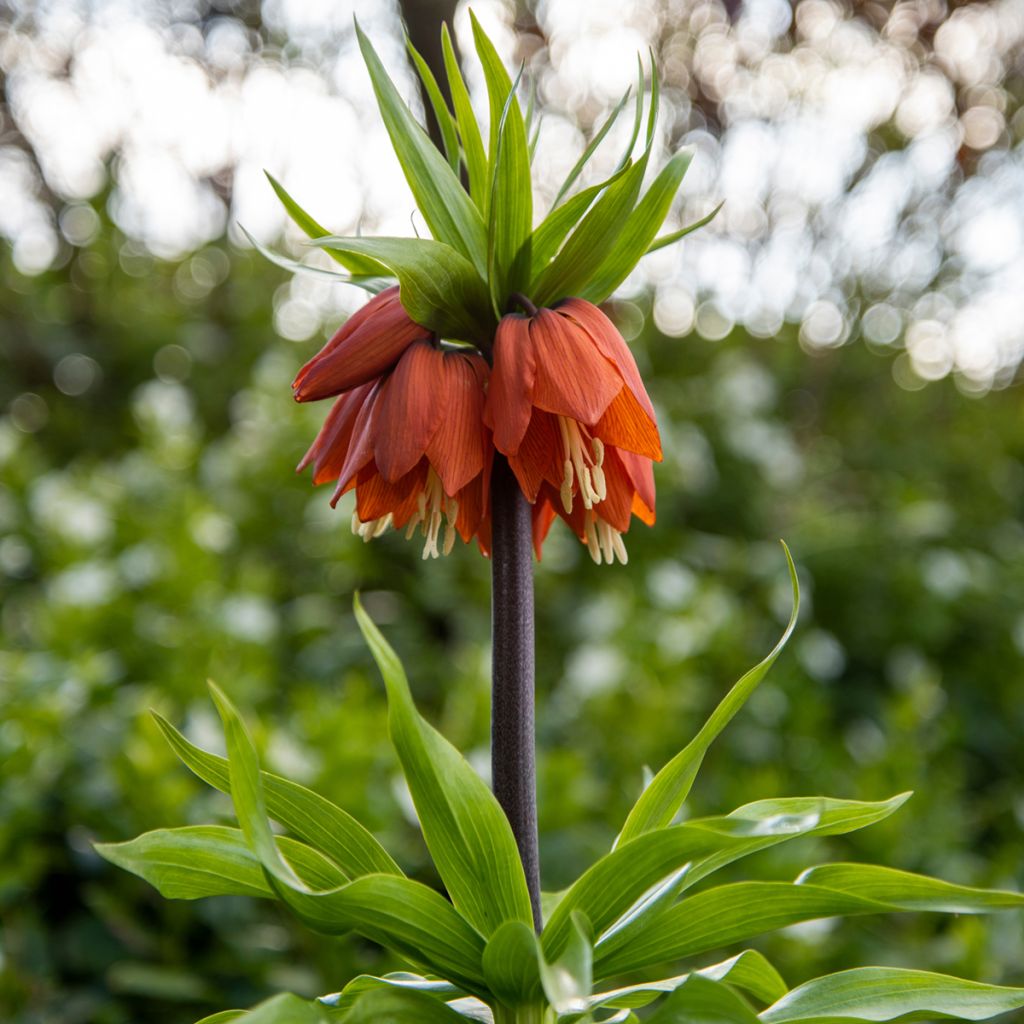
(154, 536)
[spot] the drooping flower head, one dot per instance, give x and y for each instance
(419, 415)
(569, 410)
(413, 446)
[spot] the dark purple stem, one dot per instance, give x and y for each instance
(512, 724)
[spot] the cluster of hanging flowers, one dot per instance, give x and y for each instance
(486, 341)
(415, 425)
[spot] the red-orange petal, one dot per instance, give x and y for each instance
(538, 458)
(574, 378)
(543, 516)
(626, 424)
(411, 410)
(618, 503)
(354, 356)
(641, 473)
(509, 394)
(360, 447)
(377, 497)
(330, 449)
(610, 342)
(456, 451)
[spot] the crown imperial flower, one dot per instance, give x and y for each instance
(569, 410)
(413, 446)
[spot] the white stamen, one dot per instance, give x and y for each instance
(582, 465)
(433, 508)
(603, 541)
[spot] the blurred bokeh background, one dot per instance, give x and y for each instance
(835, 360)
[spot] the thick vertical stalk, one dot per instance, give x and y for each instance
(512, 726)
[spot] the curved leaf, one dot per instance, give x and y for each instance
(660, 801)
(465, 828)
(469, 130)
(639, 230)
(449, 212)
(511, 964)
(210, 860)
(359, 266)
(343, 1000)
(396, 912)
(401, 1006)
(445, 121)
(439, 287)
(890, 993)
(748, 970)
(660, 243)
(310, 816)
(703, 1001)
(910, 891)
(624, 888)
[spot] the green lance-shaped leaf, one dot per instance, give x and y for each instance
(466, 830)
(910, 891)
(748, 970)
(439, 288)
(568, 981)
(281, 1009)
(308, 815)
(635, 881)
(354, 263)
(546, 240)
(585, 157)
(401, 1006)
(511, 964)
(568, 273)
(345, 999)
(702, 1000)
(890, 993)
(660, 243)
(373, 285)
(398, 913)
(448, 211)
(667, 792)
(469, 131)
(639, 231)
(210, 860)
(732, 913)
(445, 121)
(510, 208)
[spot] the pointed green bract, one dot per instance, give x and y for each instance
(639, 231)
(661, 800)
(466, 830)
(568, 273)
(890, 993)
(354, 263)
(660, 243)
(440, 290)
(445, 121)
(469, 131)
(585, 157)
(510, 208)
(448, 211)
